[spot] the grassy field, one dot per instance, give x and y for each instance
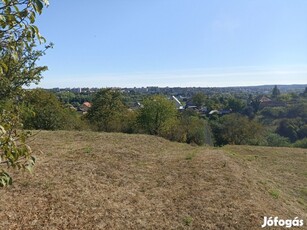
(87, 180)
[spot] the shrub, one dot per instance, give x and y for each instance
(235, 129)
(158, 113)
(273, 139)
(108, 111)
(42, 110)
(301, 143)
(198, 132)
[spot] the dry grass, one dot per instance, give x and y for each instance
(86, 180)
(283, 171)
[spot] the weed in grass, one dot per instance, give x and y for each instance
(190, 156)
(274, 193)
(232, 153)
(88, 149)
(188, 220)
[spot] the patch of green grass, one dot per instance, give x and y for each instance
(188, 220)
(190, 155)
(88, 149)
(274, 193)
(232, 153)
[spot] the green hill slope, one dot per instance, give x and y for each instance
(87, 180)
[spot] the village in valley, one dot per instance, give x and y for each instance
(80, 98)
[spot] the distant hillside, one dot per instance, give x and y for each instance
(88, 180)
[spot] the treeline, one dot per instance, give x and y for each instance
(248, 121)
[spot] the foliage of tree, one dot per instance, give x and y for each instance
(235, 104)
(249, 111)
(274, 112)
(235, 129)
(18, 55)
(289, 128)
(156, 114)
(14, 152)
(199, 100)
(198, 131)
(301, 143)
(42, 110)
(188, 128)
(108, 112)
(298, 110)
(275, 92)
(19, 38)
(273, 139)
(75, 99)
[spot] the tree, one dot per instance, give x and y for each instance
(189, 128)
(275, 92)
(273, 139)
(288, 128)
(198, 131)
(199, 99)
(235, 104)
(19, 38)
(156, 114)
(43, 110)
(108, 111)
(235, 129)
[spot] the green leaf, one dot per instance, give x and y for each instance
(4, 66)
(5, 179)
(14, 56)
(2, 18)
(34, 30)
(38, 6)
(23, 14)
(32, 17)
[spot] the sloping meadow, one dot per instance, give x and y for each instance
(88, 180)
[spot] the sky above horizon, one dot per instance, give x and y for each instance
(174, 43)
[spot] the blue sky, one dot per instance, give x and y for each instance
(122, 43)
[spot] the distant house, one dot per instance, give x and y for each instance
(85, 106)
(189, 105)
(265, 99)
